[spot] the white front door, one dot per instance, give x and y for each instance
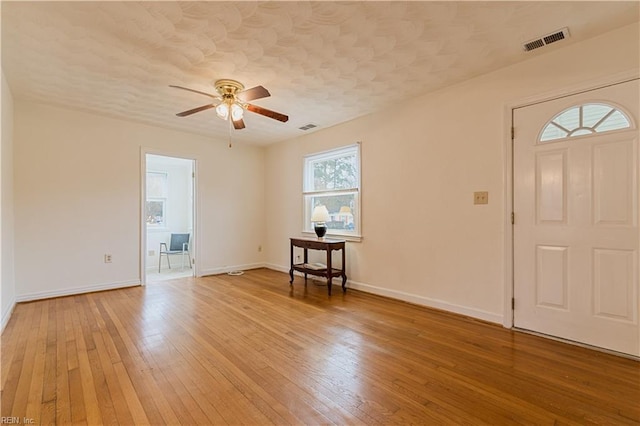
(576, 235)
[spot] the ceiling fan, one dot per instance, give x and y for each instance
(232, 100)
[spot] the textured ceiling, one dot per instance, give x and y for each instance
(323, 62)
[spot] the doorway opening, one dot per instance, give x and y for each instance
(168, 218)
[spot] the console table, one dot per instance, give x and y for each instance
(327, 245)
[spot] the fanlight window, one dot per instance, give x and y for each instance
(584, 120)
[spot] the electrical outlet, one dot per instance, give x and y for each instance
(107, 258)
(151, 253)
(298, 258)
(481, 197)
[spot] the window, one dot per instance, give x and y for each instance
(584, 120)
(156, 199)
(332, 179)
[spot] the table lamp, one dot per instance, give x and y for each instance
(319, 218)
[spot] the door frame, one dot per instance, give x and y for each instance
(586, 86)
(195, 240)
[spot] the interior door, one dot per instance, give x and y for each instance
(576, 237)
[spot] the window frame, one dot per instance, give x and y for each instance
(593, 130)
(308, 192)
(163, 200)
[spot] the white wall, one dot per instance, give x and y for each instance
(77, 197)
(425, 158)
(7, 271)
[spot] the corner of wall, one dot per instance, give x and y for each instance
(7, 268)
(6, 315)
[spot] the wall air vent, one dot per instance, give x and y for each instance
(547, 39)
(307, 127)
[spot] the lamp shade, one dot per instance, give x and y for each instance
(320, 214)
(236, 112)
(223, 111)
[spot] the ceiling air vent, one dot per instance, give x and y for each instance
(307, 127)
(547, 39)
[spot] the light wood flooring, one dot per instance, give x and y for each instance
(248, 350)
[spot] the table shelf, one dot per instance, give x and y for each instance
(319, 272)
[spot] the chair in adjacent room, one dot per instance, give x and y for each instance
(179, 244)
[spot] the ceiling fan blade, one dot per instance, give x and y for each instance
(254, 93)
(193, 111)
(195, 91)
(238, 124)
(268, 113)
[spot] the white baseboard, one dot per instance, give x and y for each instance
(7, 315)
(76, 290)
(280, 268)
(225, 269)
(411, 298)
(285, 269)
(427, 301)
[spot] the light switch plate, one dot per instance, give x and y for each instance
(481, 197)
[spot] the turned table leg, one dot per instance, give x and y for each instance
(291, 270)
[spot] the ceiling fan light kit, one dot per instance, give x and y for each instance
(237, 111)
(233, 101)
(229, 90)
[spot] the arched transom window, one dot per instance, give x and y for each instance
(583, 120)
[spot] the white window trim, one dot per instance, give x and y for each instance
(355, 236)
(614, 107)
(159, 228)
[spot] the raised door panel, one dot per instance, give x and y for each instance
(551, 277)
(614, 183)
(551, 194)
(614, 276)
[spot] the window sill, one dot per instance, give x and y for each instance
(153, 229)
(347, 237)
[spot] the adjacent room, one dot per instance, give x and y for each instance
(394, 212)
(168, 216)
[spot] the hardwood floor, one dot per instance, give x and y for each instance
(247, 350)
